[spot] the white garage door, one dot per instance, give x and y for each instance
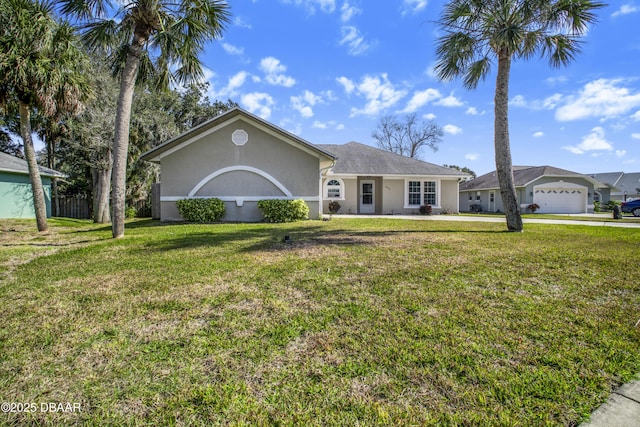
(560, 197)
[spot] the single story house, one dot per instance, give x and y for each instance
(241, 158)
(368, 180)
(553, 189)
(622, 186)
(16, 195)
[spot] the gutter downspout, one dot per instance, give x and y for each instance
(320, 198)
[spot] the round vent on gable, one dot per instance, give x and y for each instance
(239, 137)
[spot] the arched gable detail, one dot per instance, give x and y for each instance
(250, 169)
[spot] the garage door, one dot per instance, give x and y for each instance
(560, 198)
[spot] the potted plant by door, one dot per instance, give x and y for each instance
(334, 206)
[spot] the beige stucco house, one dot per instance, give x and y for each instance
(241, 159)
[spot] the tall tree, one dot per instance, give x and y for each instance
(42, 68)
(478, 33)
(408, 136)
(146, 39)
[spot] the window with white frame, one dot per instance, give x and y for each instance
(429, 188)
(422, 193)
(333, 189)
(414, 193)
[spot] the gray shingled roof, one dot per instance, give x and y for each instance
(9, 163)
(620, 182)
(359, 159)
(522, 175)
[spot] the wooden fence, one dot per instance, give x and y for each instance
(77, 206)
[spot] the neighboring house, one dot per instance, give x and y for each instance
(241, 159)
(622, 186)
(367, 180)
(554, 190)
(16, 196)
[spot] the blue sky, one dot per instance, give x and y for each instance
(327, 70)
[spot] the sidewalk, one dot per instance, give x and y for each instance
(621, 410)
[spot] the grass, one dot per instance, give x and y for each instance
(355, 322)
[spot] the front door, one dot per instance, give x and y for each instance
(367, 198)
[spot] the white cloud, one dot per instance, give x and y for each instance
(449, 101)
(239, 22)
(348, 11)
(635, 135)
(303, 104)
(380, 94)
(472, 111)
(330, 124)
(625, 9)
(355, 43)
(594, 141)
(274, 72)
(472, 156)
(259, 103)
(518, 101)
(636, 116)
(327, 6)
(232, 50)
(452, 129)
(421, 98)
(621, 153)
(429, 116)
(556, 80)
(602, 98)
(235, 82)
(414, 6)
(347, 84)
(538, 134)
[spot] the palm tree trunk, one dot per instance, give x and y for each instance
(101, 186)
(121, 138)
(34, 173)
(504, 166)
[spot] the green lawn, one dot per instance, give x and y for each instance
(355, 322)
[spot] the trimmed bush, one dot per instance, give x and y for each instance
(201, 210)
(284, 210)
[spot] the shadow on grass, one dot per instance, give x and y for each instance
(279, 237)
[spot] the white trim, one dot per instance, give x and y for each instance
(406, 192)
(243, 168)
(325, 184)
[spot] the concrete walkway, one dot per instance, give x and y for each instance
(594, 219)
(621, 410)
(623, 407)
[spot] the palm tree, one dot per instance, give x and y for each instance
(41, 68)
(145, 39)
(479, 32)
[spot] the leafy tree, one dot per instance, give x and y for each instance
(478, 33)
(42, 68)
(145, 39)
(462, 169)
(407, 137)
(7, 145)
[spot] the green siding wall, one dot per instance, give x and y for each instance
(16, 199)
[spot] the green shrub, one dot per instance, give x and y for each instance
(130, 212)
(284, 210)
(201, 210)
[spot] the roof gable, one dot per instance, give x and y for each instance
(13, 164)
(228, 117)
(354, 158)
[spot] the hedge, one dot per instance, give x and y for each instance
(201, 210)
(276, 210)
